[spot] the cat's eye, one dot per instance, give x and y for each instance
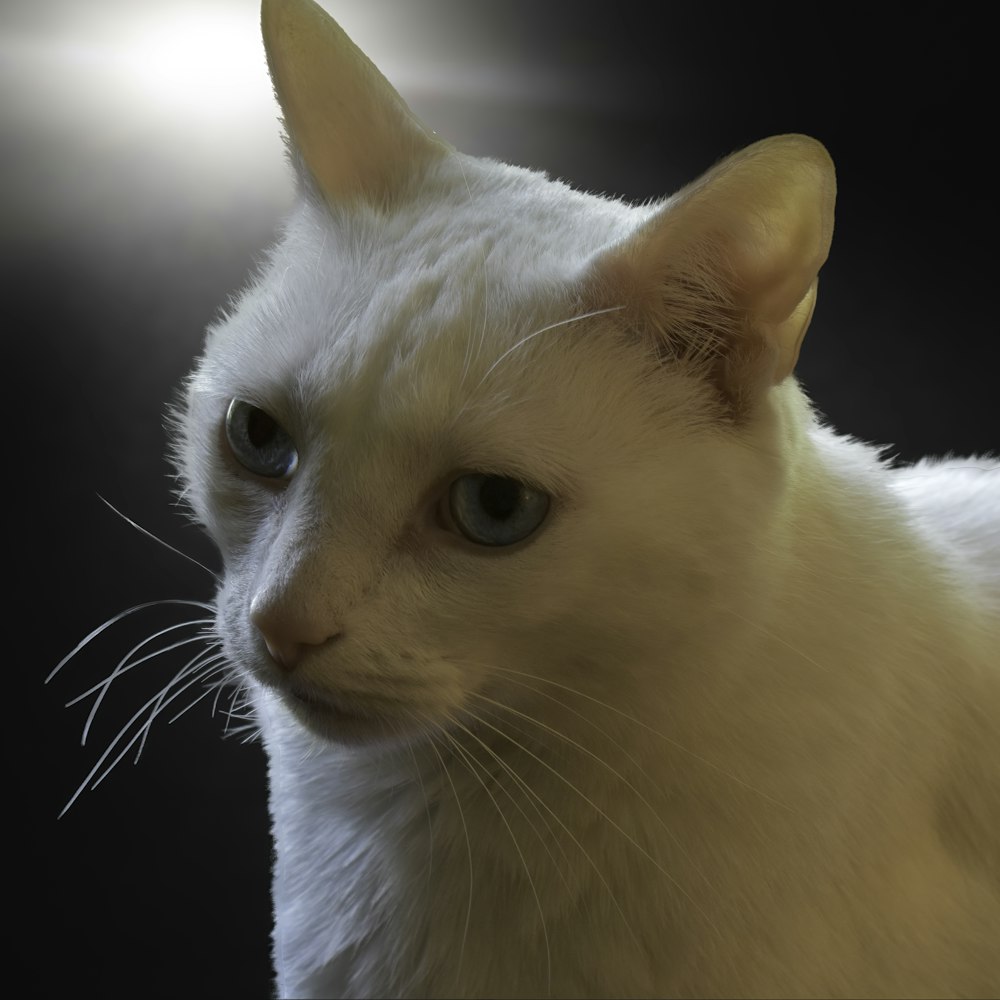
(495, 510)
(258, 442)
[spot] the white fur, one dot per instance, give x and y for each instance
(742, 684)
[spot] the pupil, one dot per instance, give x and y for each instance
(499, 497)
(260, 428)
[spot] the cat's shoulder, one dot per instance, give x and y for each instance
(955, 503)
(960, 495)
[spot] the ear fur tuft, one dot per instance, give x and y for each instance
(724, 273)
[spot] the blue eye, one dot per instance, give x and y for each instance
(258, 441)
(495, 510)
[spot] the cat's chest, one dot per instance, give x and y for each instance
(347, 861)
(399, 877)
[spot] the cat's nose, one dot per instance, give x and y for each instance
(288, 637)
(286, 654)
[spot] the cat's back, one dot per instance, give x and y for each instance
(950, 649)
(955, 505)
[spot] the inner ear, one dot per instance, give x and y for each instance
(725, 272)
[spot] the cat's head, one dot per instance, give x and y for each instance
(469, 425)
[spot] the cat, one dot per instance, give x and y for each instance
(587, 660)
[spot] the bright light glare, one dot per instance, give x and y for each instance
(157, 103)
(204, 59)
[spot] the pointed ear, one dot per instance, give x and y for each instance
(354, 132)
(728, 267)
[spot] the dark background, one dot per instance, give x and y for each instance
(141, 172)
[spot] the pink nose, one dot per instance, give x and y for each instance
(287, 635)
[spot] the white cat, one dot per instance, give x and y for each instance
(587, 661)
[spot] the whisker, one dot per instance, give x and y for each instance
(111, 747)
(201, 659)
(562, 703)
(121, 669)
(517, 847)
(215, 682)
(468, 846)
(523, 785)
(117, 618)
(527, 788)
(232, 711)
(427, 812)
(655, 732)
(219, 664)
(621, 777)
(545, 329)
(219, 688)
(160, 541)
(141, 733)
(606, 817)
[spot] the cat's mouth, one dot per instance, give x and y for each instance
(338, 719)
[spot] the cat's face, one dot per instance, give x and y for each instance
(398, 364)
(470, 425)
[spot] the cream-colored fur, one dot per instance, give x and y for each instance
(725, 724)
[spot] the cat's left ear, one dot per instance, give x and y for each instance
(727, 268)
(356, 135)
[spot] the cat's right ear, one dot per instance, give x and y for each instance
(355, 134)
(725, 271)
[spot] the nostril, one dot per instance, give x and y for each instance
(286, 654)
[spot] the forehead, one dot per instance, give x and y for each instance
(398, 325)
(473, 234)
